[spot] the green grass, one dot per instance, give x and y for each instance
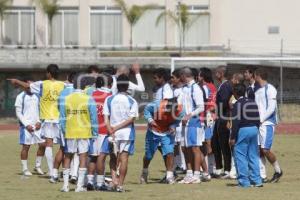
(13, 186)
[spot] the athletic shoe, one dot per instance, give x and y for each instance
(170, 181)
(90, 187)
(102, 187)
(73, 180)
(186, 180)
(205, 178)
(65, 189)
(195, 180)
(265, 180)
(53, 179)
(144, 178)
(163, 180)
(27, 173)
(225, 175)
(232, 176)
(120, 189)
(80, 189)
(39, 171)
(276, 177)
(258, 186)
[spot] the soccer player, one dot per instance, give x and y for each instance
(27, 111)
(48, 92)
(244, 138)
(253, 86)
(163, 116)
(99, 147)
(123, 69)
(161, 77)
(220, 145)
(193, 103)
(120, 111)
(265, 98)
(92, 73)
(69, 88)
(79, 123)
(206, 80)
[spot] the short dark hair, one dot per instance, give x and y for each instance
(162, 73)
(176, 73)
(122, 83)
(206, 74)
(93, 68)
(103, 80)
(81, 81)
(53, 70)
(251, 70)
(223, 69)
(195, 73)
(262, 73)
(239, 89)
(26, 78)
(110, 70)
(71, 76)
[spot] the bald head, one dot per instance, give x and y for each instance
(123, 69)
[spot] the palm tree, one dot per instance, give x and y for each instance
(4, 5)
(50, 8)
(183, 19)
(133, 14)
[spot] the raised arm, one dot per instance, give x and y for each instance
(140, 83)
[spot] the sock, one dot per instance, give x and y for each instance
(197, 174)
(211, 163)
(66, 174)
(49, 157)
(233, 169)
(183, 164)
(276, 167)
(81, 175)
(38, 161)
(189, 173)
(170, 174)
(75, 165)
(90, 178)
(24, 165)
(262, 167)
(100, 180)
(55, 173)
(177, 162)
(145, 171)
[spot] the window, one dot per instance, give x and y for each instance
(65, 27)
(146, 32)
(19, 26)
(198, 32)
(106, 26)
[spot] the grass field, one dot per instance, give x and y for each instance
(14, 186)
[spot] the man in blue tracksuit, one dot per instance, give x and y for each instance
(245, 123)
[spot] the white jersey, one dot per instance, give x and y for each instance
(119, 108)
(27, 109)
(192, 99)
(265, 98)
(140, 87)
(178, 92)
(164, 92)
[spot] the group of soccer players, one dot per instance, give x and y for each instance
(196, 126)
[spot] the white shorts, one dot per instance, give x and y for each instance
(96, 145)
(125, 146)
(266, 136)
(79, 146)
(192, 136)
(27, 138)
(51, 130)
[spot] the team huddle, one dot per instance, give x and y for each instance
(204, 131)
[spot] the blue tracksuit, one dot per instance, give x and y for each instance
(245, 125)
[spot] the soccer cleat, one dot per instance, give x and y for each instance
(73, 180)
(80, 189)
(276, 177)
(186, 180)
(27, 173)
(120, 189)
(53, 179)
(170, 181)
(205, 178)
(144, 179)
(90, 187)
(65, 189)
(195, 180)
(39, 171)
(225, 175)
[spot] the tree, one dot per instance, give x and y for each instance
(183, 19)
(50, 8)
(133, 14)
(4, 5)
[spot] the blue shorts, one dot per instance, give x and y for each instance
(99, 145)
(152, 142)
(209, 133)
(193, 136)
